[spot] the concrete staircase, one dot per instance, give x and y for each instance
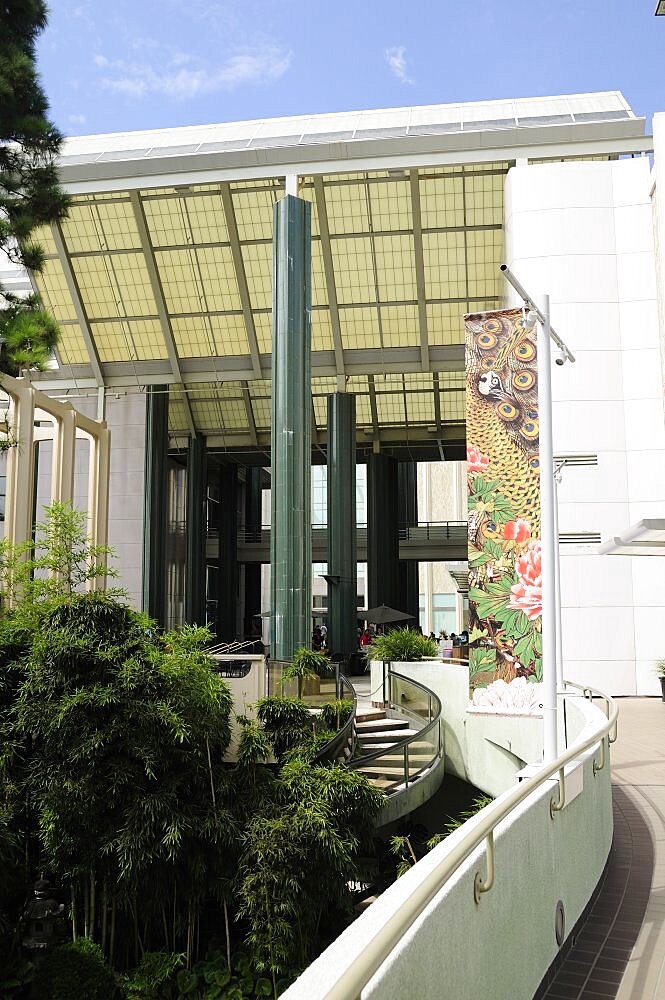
(376, 732)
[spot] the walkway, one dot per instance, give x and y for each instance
(620, 950)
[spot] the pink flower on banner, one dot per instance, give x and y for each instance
(517, 531)
(527, 594)
(475, 461)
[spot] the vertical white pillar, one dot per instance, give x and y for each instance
(98, 496)
(547, 531)
(21, 465)
(557, 587)
(64, 451)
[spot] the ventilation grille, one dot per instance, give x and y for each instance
(580, 459)
(579, 538)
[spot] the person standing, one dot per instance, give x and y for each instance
(365, 639)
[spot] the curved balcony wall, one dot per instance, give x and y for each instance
(502, 945)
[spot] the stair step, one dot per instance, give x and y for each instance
(385, 784)
(385, 736)
(379, 771)
(369, 714)
(415, 752)
(383, 724)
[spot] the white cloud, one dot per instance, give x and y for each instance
(77, 119)
(396, 59)
(176, 78)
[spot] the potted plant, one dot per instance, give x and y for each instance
(306, 668)
(660, 670)
(401, 645)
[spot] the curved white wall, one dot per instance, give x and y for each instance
(583, 233)
(502, 946)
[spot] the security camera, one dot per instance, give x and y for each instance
(531, 319)
(560, 359)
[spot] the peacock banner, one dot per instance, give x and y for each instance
(503, 479)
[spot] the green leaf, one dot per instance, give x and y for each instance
(527, 649)
(501, 586)
(486, 605)
(481, 659)
(493, 548)
(479, 559)
(263, 988)
(483, 488)
(477, 633)
(187, 981)
(515, 623)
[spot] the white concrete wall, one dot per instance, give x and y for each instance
(503, 945)
(487, 750)
(583, 233)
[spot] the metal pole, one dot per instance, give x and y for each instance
(557, 585)
(548, 542)
(528, 301)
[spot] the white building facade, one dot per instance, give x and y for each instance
(583, 233)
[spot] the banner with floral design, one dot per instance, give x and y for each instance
(503, 477)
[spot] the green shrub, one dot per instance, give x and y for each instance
(75, 970)
(401, 646)
(213, 980)
(333, 714)
(287, 721)
(308, 749)
(307, 665)
(149, 980)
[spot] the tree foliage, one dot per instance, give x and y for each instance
(401, 645)
(75, 969)
(30, 195)
(113, 779)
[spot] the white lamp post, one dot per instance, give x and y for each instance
(557, 576)
(549, 535)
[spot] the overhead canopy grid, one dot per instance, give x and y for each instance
(162, 272)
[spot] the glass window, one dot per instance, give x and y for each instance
(443, 613)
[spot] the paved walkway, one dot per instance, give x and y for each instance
(620, 951)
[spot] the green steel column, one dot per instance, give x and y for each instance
(252, 582)
(291, 529)
(342, 634)
(382, 532)
(407, 491)
(227, 572)
(155, 505)
(195, 566)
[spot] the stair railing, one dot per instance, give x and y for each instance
(404, 694)
(235, 646)
(387, 933)
(343, 744)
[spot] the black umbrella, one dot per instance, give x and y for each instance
(383, 615)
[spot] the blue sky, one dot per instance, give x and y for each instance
(133, 64)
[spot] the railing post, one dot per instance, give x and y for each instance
(480, 886)
(601, 765)
(555, 806)
(406, 766)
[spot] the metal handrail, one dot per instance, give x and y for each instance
(375, 951)
(403, 744)
(221, 648)
(422, 530)
(348, 730)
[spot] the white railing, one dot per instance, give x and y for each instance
(379, 944)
